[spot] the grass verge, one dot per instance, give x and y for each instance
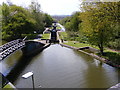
(79, 45)
(63, 35)
(45, 36)
(113, 57)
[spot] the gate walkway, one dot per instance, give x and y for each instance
(10, 47)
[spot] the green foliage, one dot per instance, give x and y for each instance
(48, 20)
(0, 10)
(37, 15)
(113, 57)
(18, 21)
(0, 23)
(30, 36)
(98, 22)
(45, 36)
(5, 13)
(42, 20)
(72, 26)
(114, 44)
(63, 36)
(75, 21)
(76, 44)
(65, 20)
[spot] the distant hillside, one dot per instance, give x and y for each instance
(59, 17)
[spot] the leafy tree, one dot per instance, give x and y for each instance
(38, 16)
(5, 18)
(98, 22)
(17, 23)
(0, 24)
(5, 13)
(75, 21)
(72, 25)
(65, 20)
(48, 20)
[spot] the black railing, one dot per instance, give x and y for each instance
(10, 47)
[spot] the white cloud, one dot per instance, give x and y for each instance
(63, 7)
(60, 6)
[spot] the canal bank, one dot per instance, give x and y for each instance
(61, 67)
(16, 60)
(110, 56)
(33, 47)
(92, 54)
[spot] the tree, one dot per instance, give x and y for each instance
(65, 20)
(98, 21)
(75, 21)
(5, 13)
(48, 20)
(72, 25)
(18, 23)
(38, 16)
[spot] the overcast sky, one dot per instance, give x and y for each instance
(52, 7)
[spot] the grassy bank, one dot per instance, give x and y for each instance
(63, 35)
(78, 45)
(110, 55)
(29, 36)
(45, 36)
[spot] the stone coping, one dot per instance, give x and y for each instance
(93, 55)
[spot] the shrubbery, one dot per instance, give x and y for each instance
(18, 22)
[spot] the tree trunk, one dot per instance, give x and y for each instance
(100, 45)
(101, 48)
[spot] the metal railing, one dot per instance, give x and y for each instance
(10, 47)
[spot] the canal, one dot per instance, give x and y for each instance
(61, 67)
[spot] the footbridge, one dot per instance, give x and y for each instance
(10, 47)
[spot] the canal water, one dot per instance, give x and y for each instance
(61, 67)
(8, 63)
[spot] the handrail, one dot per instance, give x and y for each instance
(24, 38)
(10, 47)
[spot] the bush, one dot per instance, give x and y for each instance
(29, 36)
(115, 44)
(112, 56)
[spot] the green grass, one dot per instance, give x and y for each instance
(45, 36)
(63, 35)
(109, 50)
(114, 57)
(111, 55)
(29, 36)
(58, 27)
(77, 44)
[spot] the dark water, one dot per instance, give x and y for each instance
(8, 63)
(60, 67)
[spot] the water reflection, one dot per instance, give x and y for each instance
(60, 67)
(8, 63)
